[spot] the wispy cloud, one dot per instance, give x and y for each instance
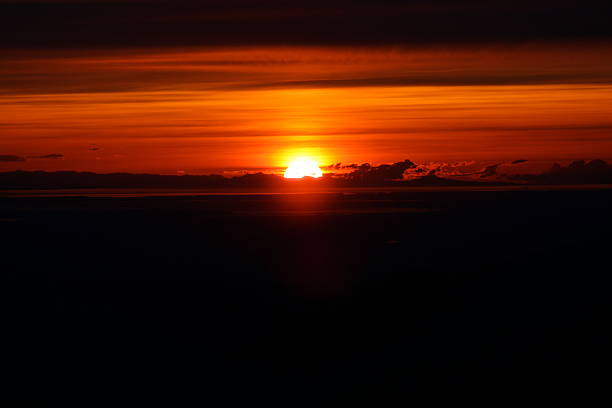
(7, 158)
(52, 156)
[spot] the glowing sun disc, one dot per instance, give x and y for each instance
(303, 167)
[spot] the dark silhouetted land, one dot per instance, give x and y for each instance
(355, 295)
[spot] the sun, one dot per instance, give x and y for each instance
(303, 167)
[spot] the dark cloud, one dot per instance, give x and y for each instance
(53, 156)
(340, 166)
(490, 171)
(442, 169)
(367, 174)
(11, 158)
(335, 166)
(408, 173)
(73, 179)
(577, 172)
(14, 158)
(458, 169)
(112, 24)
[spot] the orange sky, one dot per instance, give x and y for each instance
(210, 110)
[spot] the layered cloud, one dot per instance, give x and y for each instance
(577, 172)
(53, 156)
(278, 68)
(9, 158)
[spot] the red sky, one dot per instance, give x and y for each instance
(203, 109)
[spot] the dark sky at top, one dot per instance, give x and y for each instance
(138, 23)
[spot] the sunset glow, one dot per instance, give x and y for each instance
(204, 110)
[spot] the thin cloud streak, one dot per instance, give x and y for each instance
(296, 67)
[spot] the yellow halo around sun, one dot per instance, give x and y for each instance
(303, 167)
